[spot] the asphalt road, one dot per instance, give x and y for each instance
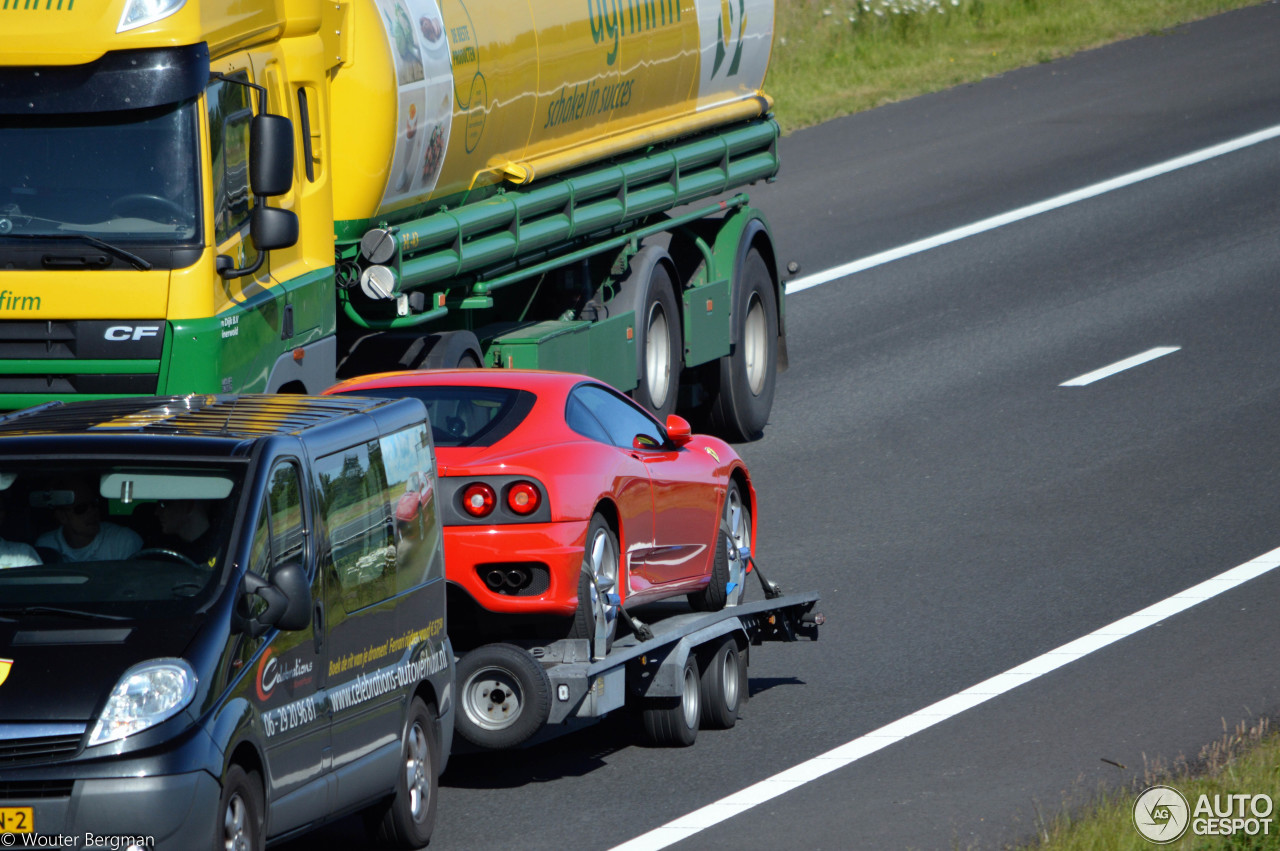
(960, 511)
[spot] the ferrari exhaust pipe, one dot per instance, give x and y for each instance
(517, 578)
(495, 579)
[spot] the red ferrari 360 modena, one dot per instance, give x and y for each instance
(562, 501)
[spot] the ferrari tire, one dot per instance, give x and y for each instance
(596, 618)
(504, 696)
(736, 521)
(743, 393)
(674, 721)
(721, 686)
(407, 819)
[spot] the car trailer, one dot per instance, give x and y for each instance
(682, 670)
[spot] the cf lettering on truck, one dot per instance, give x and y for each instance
(220, 622)
(288, 193)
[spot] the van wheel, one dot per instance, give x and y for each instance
(504, 696)
(241, 825)
(407, 819)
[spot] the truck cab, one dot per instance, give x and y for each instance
(221, 617)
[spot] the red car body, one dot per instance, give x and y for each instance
(665, 498)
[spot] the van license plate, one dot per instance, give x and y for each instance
(16, 820)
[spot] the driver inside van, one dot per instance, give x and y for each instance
(82, 534)
(15, 553)
(187, 529)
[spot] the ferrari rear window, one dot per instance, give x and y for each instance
(464, 416)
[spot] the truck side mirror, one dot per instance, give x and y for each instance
(273, 228)
(270, 154)
(288, 599)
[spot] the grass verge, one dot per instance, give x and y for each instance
(837, 57)
(1243, 761)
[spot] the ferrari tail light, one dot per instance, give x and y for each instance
(478, 499)
(523, 498)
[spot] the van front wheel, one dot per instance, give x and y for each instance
(240, 827)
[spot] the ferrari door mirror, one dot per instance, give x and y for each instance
(678, 430)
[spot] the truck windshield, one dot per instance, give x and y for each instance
(129, 178)
(113, 540)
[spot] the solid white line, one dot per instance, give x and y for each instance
(819, 278)
(1120, 366)
(792, 778)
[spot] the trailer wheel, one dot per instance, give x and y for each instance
(407, 819)
(451, 350)
(596, 618)
(744, 395)
(241, 825)
(649, 291)
(504, 696)
(673, 721)
(721, 687)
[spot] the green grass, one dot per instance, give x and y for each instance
(836, 57)
(1243, 761)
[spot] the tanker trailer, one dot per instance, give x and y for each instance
(552, 184)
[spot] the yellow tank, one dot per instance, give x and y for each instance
(438, 99)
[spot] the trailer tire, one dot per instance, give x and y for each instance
(743, 395)
(451, 350)
(407, 819)
(674, 721)
(649, 291)
(504, 696)
(596, 618)
(721, 686)
(241, 813)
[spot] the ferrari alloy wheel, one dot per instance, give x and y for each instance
(596, 618)
(737, 523)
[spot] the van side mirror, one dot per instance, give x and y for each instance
(288, 599)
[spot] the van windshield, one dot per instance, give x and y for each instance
(109, 540)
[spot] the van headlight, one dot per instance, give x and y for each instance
(146, 695)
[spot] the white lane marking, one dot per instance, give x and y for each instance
(792, 778)
(819, 278)
(1120, 366)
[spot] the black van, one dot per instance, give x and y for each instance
(222, 621)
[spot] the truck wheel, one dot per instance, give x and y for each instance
(451, 350)
(744, 395)
(596, 618)
(407, 819)
(504, 696)
(673, 721)
(721, 687)
(649, 291)
(241, 826)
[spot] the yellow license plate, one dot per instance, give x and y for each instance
(16, 820)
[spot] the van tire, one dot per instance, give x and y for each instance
(407, 819)
(240, 812)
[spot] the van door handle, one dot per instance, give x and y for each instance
(317, 623)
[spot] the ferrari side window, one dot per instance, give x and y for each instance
(578, 418)
(621, 419)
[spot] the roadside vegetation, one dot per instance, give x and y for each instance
(1243, 761)
(836, 57)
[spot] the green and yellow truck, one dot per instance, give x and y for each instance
(212, 196)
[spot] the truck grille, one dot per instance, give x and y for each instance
(25, 346)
